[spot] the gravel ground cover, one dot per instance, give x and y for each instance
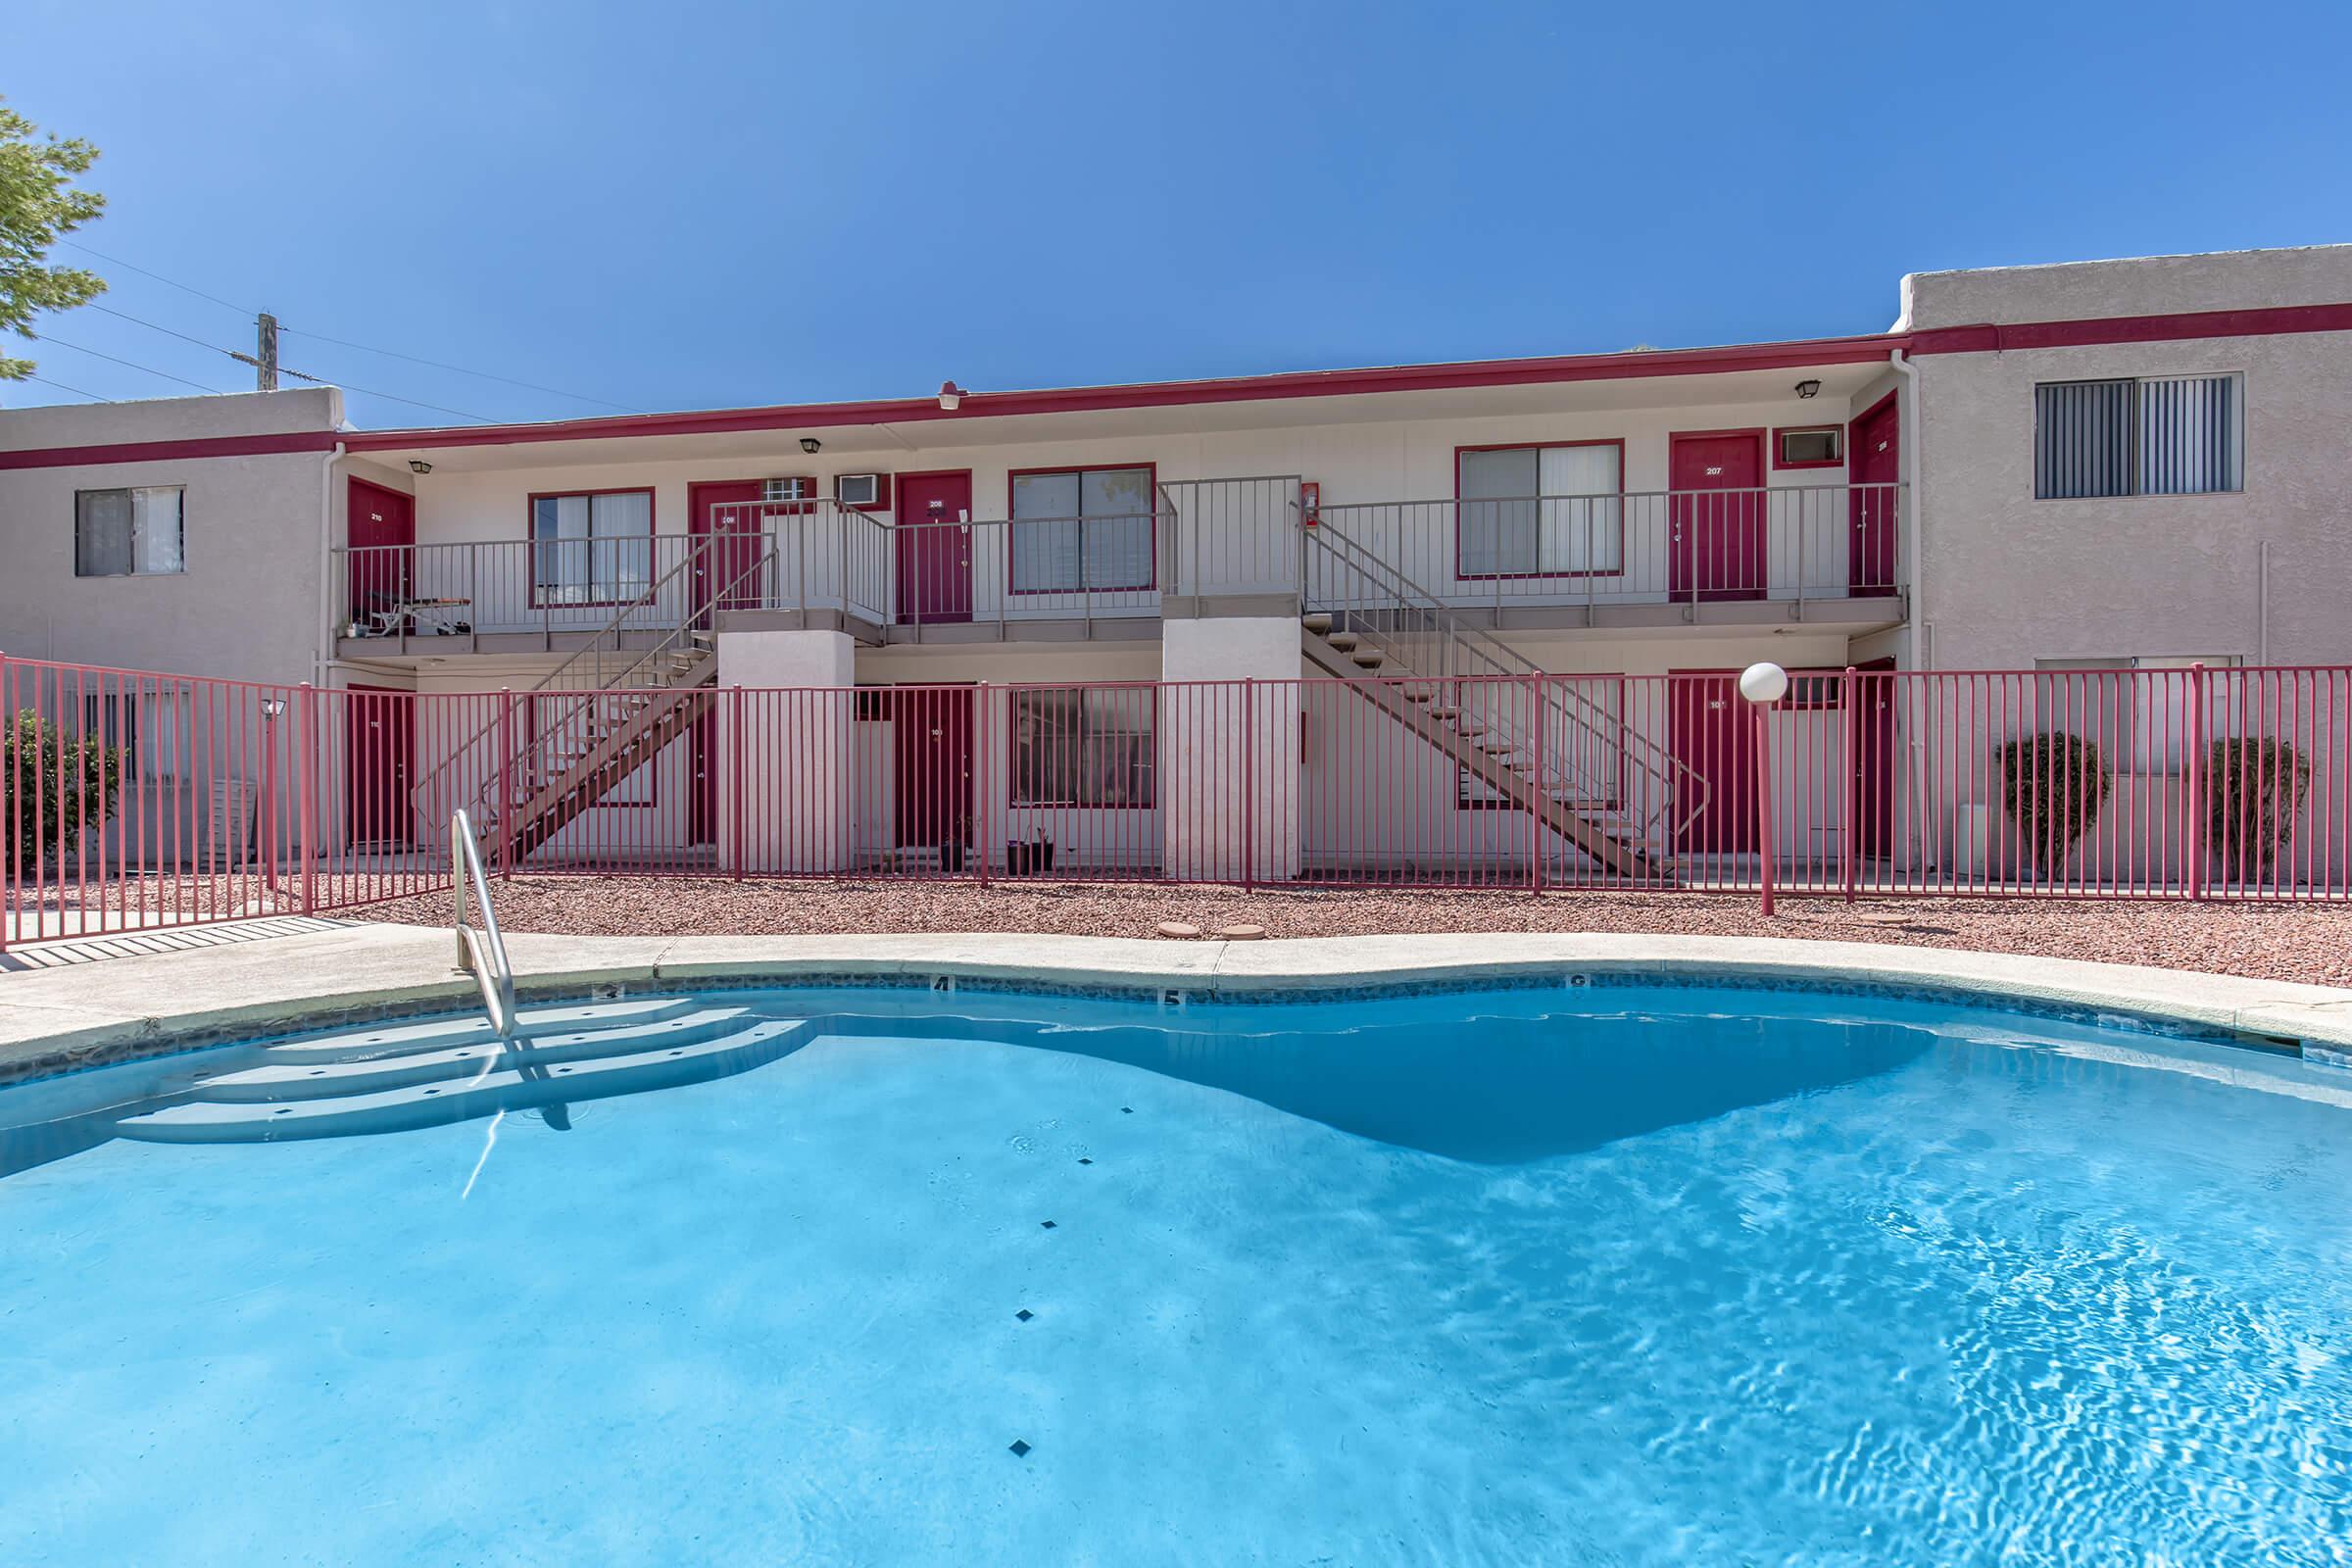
(2307, 943)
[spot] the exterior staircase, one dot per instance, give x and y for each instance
(616, 708)
(1484, 706)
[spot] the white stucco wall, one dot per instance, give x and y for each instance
(248, 605)
(2005, 579)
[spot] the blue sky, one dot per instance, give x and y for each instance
(702, 205)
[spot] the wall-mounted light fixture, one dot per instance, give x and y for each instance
(811, 445)
(951, 396)
(1808, 389)
(273, 707)
(419, 466)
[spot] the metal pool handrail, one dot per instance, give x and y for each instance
(481, 954)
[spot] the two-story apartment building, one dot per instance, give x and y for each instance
(2048, 468)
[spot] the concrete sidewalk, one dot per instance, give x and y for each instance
(54, 1019)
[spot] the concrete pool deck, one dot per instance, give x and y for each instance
(54, 1020)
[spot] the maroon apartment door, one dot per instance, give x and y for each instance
(723, 574)
(380, 729)
(1712, 732)
(381, 528)
(1875, 458)
(1717, 539)
(934, 540)
(931, 728)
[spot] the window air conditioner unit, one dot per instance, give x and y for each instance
(857, 489)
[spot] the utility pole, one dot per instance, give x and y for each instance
(265, 364)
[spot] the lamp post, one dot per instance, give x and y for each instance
(1764, 684)
(274, 708)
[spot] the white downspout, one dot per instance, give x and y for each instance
(1907, 470)
(324, 651)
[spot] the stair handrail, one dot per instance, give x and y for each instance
(531, 745)
(481, 954)
(612, 629)
(1685, 783)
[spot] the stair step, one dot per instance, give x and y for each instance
(313, 1078)
(418, 1105)
(530, 1023)
(1342, 640)
(1318, 621)
(1417, 696)
(1368, 658)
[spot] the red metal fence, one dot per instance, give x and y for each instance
(236, 798)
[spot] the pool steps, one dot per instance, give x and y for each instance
(308, 1076)
(393, 1080)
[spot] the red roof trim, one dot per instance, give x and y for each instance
(2269, 322)
(211, 446)
(1628, 365)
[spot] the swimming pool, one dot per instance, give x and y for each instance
(1603, 1275)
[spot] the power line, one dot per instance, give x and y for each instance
(158, 277)
(363, 348)
(125, 316)
(350, 386)
(133, 364)
(459, 369)
(62, 387)
(247, 358)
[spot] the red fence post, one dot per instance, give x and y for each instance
(731, 748)
(1539, 791)
(306, 767)
(1249, 812)
(2194, 784)
(1849, 763)
(506, 783)
(982, 727)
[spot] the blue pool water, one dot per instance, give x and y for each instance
(1610, 1276)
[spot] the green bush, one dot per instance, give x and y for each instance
(2253, 789)
(2053, 785)
(59, 783)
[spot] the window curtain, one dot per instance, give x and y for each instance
(621, 530)
(1582, 516)
(2082, 437)
(155, 526)
(1500, 531)
(1116, 504)
(2188, 435)
(102, 533)
(1046, 534)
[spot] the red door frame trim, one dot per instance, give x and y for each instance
(530, 512)
(1460, 576)
(1150, 480)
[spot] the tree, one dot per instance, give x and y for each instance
(61, 784)
(38, 202)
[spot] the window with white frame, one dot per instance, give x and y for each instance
(2135, 710)
(592, 549)
(2175, 435)
(1087, 747)
(1082, 528)
(1541, 511)
(131, 533)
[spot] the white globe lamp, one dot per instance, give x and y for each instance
(1764, 684)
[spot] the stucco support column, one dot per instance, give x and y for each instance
(788, 807)
(1229, 752)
